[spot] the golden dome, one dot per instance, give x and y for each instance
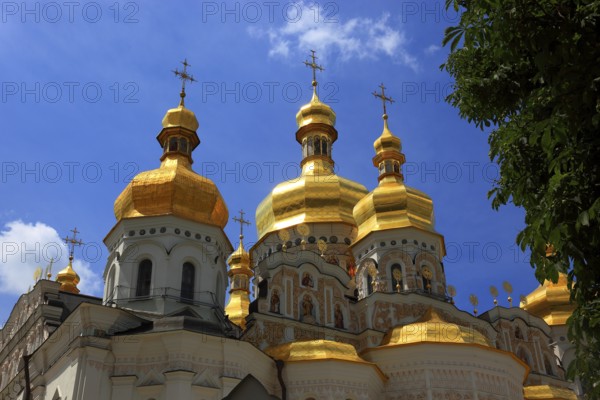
(68, 278)
(318, 195)
(551, 301)
(431, 327)
(238, 306)
(319, 350)
(174, 188)
(387, 141)
(545, 392)
(239, 259)
(392, 204)
(314, 350)
(180, 117)
(315, 112)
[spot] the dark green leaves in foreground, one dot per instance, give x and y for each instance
(529, 71)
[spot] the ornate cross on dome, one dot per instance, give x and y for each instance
(184, 76)
(314, 67)
(384, 99)
(242, 222)
(72, 242)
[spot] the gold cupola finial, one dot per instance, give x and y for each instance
(388, 147)
(68, 278)
(239, 274)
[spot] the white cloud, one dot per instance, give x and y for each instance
(431, 49)
(355, 38)
(26, 246)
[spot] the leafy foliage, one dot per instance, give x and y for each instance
(530, 70)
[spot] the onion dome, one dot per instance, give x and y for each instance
(239, 273)
(174, 188)
(314, 350)
(319, 350)
(392, 204)
(551, 301)
(432, 327)
(544, 392)
(68, 278)
(318, 195)
(315, 112)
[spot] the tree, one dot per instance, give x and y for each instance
(528, 72)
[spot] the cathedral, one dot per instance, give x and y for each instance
(343, 296)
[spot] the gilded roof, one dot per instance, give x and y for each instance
(432, 327)
(318, 195)
(550, 301)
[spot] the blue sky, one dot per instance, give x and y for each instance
(85, 87)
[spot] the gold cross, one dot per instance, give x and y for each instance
(73, 242)
(184, 76)
(242, 222)
(383, 98)
(314, 67)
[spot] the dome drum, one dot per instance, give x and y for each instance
(307, 130)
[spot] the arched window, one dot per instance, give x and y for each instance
(188, 278)
(317, 145)
(324, 146)
(518, 333)
(110, 285)
(388, 166)
(304, 148)
(310, 146)
(397, 167)
(173, 144)
(397, 278)
(144, 278)
(427, 277)
(369, 284)
(183, 145)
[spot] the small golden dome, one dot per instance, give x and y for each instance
(431, 327)
(318, 195)
(314, 350)
(551, 301)
(180, 117)
(393, 205)
(387, 141)
(239, 259)
(315, 112)
(173, 189)
(68, 278)
(238, 306)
